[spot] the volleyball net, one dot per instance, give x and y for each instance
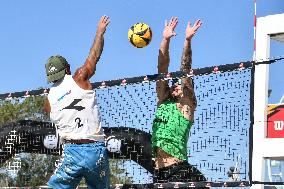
(219, 146)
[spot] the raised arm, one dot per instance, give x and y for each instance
(186, 59)
(162, 87)
(89, 68)
(186, 62)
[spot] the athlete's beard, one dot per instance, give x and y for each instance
(176, 98)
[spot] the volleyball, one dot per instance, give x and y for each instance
(140, 35)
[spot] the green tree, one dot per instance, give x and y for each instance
(22, 108)
(36, 169)
(5, 179)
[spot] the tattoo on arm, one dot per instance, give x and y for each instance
(94, 55)
(97, 48)
(188, 88)
(164, 57)
(189, 97)
(186, 59)
(162, 87)
(163, 91)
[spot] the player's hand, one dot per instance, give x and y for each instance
(170, 27)
(190, 31)
(104, 21)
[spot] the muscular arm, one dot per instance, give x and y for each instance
(162, 87)
(164, 58)
(187, 85)
(95, 54)
(186, 62)
(186, 58)
(85, 72)
(46, 106)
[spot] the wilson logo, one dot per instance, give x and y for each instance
(278, 125)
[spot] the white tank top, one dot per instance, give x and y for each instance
(74, 111)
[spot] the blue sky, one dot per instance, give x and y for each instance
(31, 31)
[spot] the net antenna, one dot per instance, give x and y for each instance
(281, 99)
(234, 172)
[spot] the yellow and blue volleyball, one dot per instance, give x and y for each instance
(140, 35)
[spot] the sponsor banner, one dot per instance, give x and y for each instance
(275, 121)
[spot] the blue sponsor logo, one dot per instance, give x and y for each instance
(67, 93)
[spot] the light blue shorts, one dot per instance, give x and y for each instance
(82, 160)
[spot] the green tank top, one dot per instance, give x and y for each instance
(170, 130)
